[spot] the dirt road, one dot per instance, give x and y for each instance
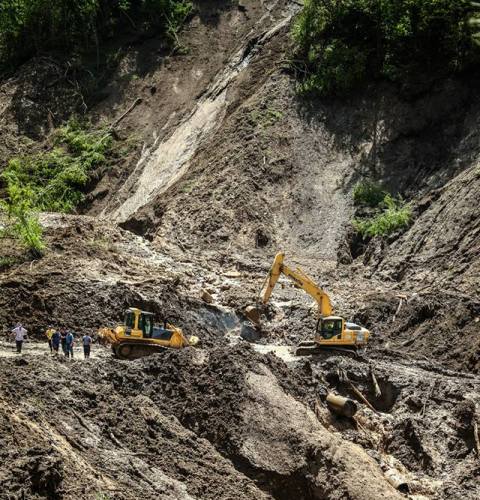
(35, 348)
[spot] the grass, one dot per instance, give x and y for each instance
(188, 186)
(266, 117)
(7, 261)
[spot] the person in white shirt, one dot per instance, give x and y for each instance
(19, 332)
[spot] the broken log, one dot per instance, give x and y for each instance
(361, 396)
(475, 435)
(378, 392)
(341, 406)
(137, 101)
(397, 481)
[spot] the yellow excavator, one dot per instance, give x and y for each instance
(332, 332)
(138, 336)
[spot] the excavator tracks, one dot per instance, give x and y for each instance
(136, 350)
(312, 349)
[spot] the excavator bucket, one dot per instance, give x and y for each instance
(253, 314)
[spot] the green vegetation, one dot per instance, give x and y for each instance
(396, 215)
(6, 262)
(341, 43)
(389, 215)
(52, 180)
(30, 27)
(474, 22)
(368, 193)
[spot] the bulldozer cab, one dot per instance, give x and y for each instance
(138, 323)
(330, 327)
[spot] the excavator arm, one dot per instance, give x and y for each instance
(300, 280)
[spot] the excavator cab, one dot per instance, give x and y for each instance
(329, 328)
(334, 330)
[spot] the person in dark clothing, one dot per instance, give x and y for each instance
(56, 339)
(87, 343)
(63, 340)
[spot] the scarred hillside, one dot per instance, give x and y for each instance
(214, 163)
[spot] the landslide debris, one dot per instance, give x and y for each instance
(272, 172)
(189, 424)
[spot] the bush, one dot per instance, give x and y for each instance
(29, 27)
(395, 215)
(23, 222)
(368, 193)
(52, 180)
(341, 43)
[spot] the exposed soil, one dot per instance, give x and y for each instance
(230, 166)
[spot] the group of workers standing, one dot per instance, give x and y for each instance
(56, 338)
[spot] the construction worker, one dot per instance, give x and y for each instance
(87, 343)
(49, 334)
(63, 340)
(20, 335)
(69, 338)
(56, 340)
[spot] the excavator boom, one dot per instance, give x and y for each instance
(300, 280)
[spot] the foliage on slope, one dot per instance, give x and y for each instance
(342, 43)
(31, 27)
(51, 180)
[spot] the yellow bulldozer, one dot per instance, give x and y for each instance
(332, 332)
(138, 336)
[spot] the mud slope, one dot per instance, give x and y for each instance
(184, 98)
(188, 425)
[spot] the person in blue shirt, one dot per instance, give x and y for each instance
(69, 345)
(56, 339)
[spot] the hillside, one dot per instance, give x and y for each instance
(215, 162)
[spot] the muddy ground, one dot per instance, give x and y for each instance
(229, 166)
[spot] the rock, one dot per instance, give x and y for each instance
(232, 274)
(249, 333)
(206, 297)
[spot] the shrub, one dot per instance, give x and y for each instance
(52, 180)
(368, 193)
(341, 43)
(23, 222)
(396, 215)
